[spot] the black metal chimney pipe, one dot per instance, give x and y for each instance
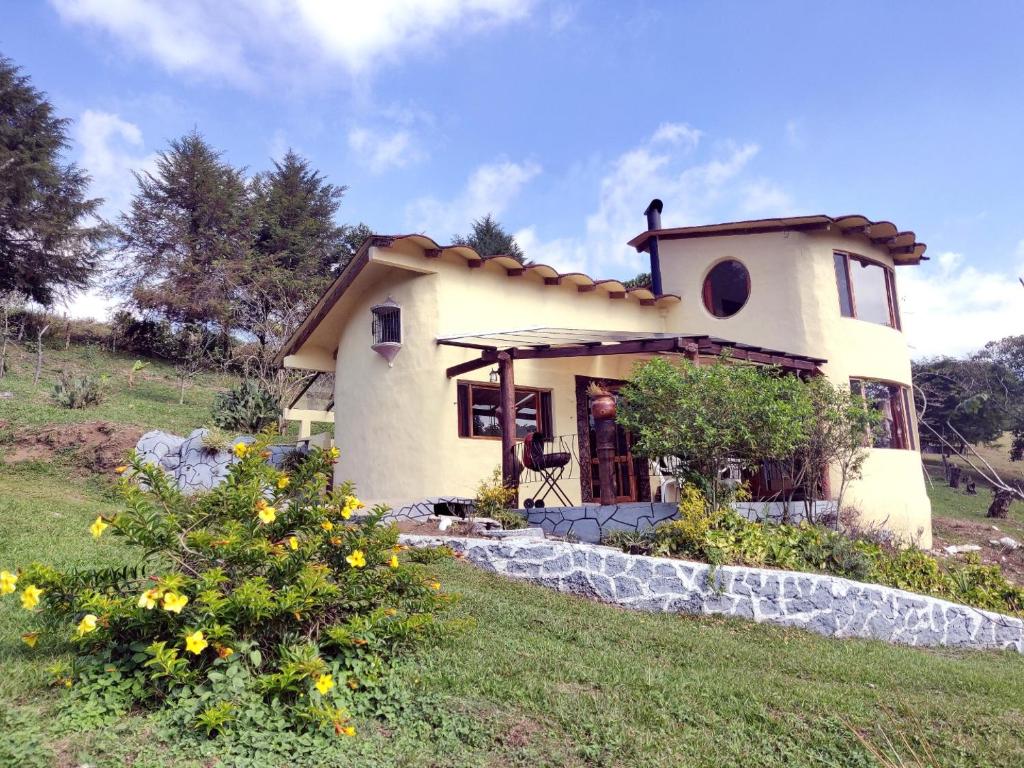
(653, 214)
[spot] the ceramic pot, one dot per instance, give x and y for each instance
(602, 407)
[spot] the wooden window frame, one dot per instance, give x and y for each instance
(464, 421)
(891, 299)
(899, 403)
(706, 296)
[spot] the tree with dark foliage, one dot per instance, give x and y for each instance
(50, 238)
(187, 233)
(489, 238)
(643, 280)
(297, 245)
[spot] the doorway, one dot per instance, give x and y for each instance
(632, 478)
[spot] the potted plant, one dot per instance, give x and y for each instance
(602, 402)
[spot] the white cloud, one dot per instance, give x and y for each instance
(380, 151)
(241, 41)
(676, 133)
(763, 198)
(110, 149)
(662, 166)
(951, 307)
(489, 189)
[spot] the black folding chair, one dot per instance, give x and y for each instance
(550, 467)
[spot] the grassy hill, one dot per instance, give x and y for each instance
(533, 677)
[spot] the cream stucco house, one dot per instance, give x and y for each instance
(419, 335)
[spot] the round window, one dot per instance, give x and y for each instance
(726, 288)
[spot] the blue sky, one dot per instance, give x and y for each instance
(565, 118)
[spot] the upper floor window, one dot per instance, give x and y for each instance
(867, 290)
(387, 323)
(726, 288)
(892, 401)
(478, 406)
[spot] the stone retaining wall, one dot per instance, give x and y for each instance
(190, 463)
(826, 605)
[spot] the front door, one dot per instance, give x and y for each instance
(632, 482)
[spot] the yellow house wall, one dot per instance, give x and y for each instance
(794, 306)
(397, 427)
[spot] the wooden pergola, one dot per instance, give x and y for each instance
(503, 348)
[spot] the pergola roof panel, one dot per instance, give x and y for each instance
(548, 342)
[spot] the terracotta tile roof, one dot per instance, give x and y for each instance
(432, 249)
(902, 246)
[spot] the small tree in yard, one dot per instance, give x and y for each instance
(708, 415)
(195, 352)
(835, 436)
(10, 302)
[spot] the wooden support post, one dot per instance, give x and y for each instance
(507, 398)
(605, 429)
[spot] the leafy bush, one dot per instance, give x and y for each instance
(77, 391)
(247, 407)
(493, 500)
(141, 336)
(265, 589)
(724, 537)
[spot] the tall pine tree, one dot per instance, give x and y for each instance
(489, 238)
(186, 237)
(297, 243)
(50, 238)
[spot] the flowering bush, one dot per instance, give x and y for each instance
(268, 585)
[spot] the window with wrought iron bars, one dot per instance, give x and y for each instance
(387, 324)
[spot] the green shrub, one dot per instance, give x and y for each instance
(493, 500)
(263, 589)
(247, 407)
(77, 391)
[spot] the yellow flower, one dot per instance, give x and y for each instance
(327, 525)
(267, 515)
(435, 585)
(30, 638)
(149, 598)
(357, 559)
(195, 643)
(7, 582)
(349, 730)
(223, 651)
(393, 562)
(240, 449)
(98, 527)
(346, 512)
(283, 482)
(121, 469)
(87, 624)
(334, 453)
(30, 597)
(173, 602)
(324, 683)
(293, 542)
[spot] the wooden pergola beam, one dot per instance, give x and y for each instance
(692, 348)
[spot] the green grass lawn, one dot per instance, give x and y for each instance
(533, 678)
(954, 504)
(152, 403)
(538, 678)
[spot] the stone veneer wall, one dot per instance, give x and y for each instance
(192, 465)
(826, 605)
(590, 521)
